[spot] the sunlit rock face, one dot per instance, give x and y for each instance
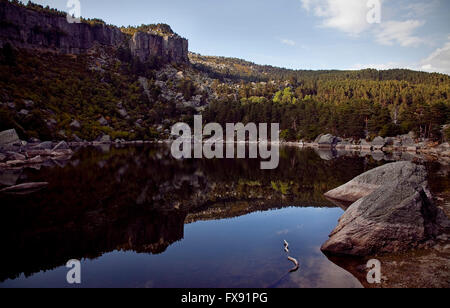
(171, 48)
(394, 212)
(26, 28)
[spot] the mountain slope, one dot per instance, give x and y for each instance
(137, 90)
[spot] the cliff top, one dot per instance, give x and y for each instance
(157, 29)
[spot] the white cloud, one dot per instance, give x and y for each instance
(400, 32)
(288, 42)
(349, 16)
(439, 60)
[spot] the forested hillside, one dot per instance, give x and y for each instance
(345, 103)
(108, 90)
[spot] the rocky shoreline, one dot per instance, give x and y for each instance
(16, 153)
(380, 148)
(403, 143)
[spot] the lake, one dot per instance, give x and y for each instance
(136, 217)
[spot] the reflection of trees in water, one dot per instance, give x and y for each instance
(138, 199)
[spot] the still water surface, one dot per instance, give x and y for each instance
(138, 218)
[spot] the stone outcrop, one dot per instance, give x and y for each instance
(172, 48)
(328, 141)
(393, 212)
(378, 143)
(8, 138)
(30, 29)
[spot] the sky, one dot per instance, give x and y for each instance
(297, 34)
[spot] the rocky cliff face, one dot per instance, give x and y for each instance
(27, 28)
(171, 48)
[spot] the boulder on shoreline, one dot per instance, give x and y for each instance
(8, 138)
(392, 211)
(328, 141)
(378, 143)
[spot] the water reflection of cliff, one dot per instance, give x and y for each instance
(139, 199)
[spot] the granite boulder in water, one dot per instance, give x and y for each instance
(393, 211)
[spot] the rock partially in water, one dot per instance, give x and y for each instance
(378, 143)
(105, 139)
(46, 145)
(24, 188)
(328, 141)
(9, 177)
(15, 156)
(61, 146)
(393, 212)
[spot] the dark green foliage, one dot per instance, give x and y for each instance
(390, 130)
(447, 134)
(35, 126)
(7, 120)
(161, 29)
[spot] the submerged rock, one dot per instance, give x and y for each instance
(394, 211)
(24, 188)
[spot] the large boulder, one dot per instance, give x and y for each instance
(392, 211)
(8, 138)
(105, 139)
(328, 140)
(378, 143)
